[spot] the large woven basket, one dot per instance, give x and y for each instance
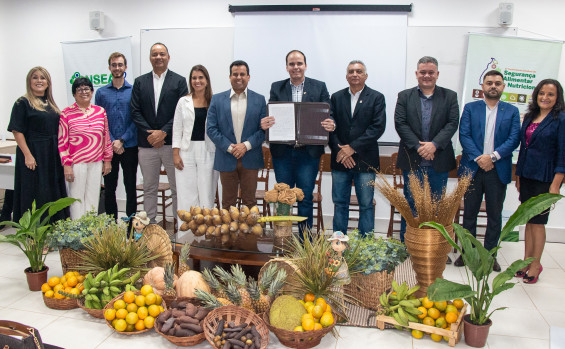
(185, 341)
(238, 315)
(367, 288)
(297, 339)
(60, 304)
(290, 269)
(110, 305)
(70, 260)
(97, 313)
(428, 250)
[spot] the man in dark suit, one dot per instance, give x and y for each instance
(234, 125)
(298, 165)
(426, 117)
(153, 101)
(489, 132)
(360, 115)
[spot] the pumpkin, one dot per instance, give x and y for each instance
(188, 282)
(156, 278)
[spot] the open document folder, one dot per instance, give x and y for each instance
(298, 123)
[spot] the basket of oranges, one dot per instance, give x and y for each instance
(134, 312)
(57, 291)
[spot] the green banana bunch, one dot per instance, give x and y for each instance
(401, 304)
(106, 285)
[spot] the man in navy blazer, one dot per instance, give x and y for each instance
(426, 118)
(298, 165)
(489, 132)
(154, 98)
(360, 115)
(234, 125)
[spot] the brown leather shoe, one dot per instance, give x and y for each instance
(459, 262)
(496, 267)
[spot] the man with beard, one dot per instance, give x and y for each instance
(115, 99)
(489, 132)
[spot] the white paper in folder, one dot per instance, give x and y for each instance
(283, 129)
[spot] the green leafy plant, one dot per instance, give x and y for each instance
(479, 261)
(69, 233)
(32, 231)
(374, 255)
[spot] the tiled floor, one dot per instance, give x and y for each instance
(532, 310)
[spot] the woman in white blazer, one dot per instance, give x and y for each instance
(193, 151)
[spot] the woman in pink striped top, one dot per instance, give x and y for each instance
(85, 148)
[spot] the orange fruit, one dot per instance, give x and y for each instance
(327, 319)
(159, 300)
(110, 314)
(309, 297)
(53, 281)
(140, 325)
(440, 305)
(317, 326)
(119, 304)
(45, 287)
(161, 309)
(130, 327)
(417, 334)
(424, 312)
(68, 289)
(458, 303)
(428, 321)
(129, 297)
(149, 322)
(299, 329)
(140, 300)
(80, 287)
(49, 294)
(451, 309)
(80, 278)
(307, 316)
(146, 289)
(75, 291)
(451, 317)
(63, 279)
(309, 308)
(328, 309)
(427, 303)
(441, 323)
(308, 324)
(120, 325)
(132, 308)
(321, 302)
(70, 274)
(114, 323)
(154, 310)
(72, 281)
(436, 337)
(317, 311)
(131, 318)
(151, 298)
(142, 312)
(433, 313)
(58, 296)
(121, 313)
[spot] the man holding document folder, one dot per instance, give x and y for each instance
(297, 165)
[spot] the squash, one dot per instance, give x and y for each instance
(155, 278)
(188, 282)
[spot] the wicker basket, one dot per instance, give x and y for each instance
(70, 260)
(185, 341)
(97, 313)
(238, 315)
(366, 289)
(60, 304)
(290, 269)
(110, 305)
(297, 339)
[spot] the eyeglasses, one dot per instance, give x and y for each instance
(83, 90)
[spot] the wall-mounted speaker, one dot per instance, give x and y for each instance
(505, 13)
(96, 20)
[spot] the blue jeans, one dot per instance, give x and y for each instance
(299, 169)
(438, 181)
(341, 194)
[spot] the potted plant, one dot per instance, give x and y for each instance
(373, 271)
(69, 236)
(31, 237)
(478, 292)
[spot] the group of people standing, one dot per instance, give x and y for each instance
(198, 137)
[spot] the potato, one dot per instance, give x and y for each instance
(184, 215)
(216, 220)
(192, 225)
(210, 231)
(199, 218)
(226, 217)
(243, 215)
(224, 229)
(234, 213)
(244, 228)
(257, 229)
(214, 211)
(208, 220)
(201, 230)
(234, 226)
(252, 219)
(184, 226)
(194, 210)
(225, 239)
(206, 211)
(254, 209)
(217, 231)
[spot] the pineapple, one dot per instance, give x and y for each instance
(254, 293)
(215, 285)
(240, 280)
(183, 259)
(209, 300)
(267, 278)
(170, 280)
(266, 300)
(224, 277)
(235, 297)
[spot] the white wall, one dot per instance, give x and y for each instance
(31, 32)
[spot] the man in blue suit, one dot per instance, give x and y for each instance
(234, 125)
(489, 132)
(298, 165)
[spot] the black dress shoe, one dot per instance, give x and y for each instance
(496, 267)
(459, 262)
(448, 260)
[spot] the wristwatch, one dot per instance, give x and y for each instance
(493, 158)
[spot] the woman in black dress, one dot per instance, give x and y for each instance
(35, 123)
